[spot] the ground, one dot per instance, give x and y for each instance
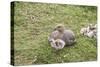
(33, 23)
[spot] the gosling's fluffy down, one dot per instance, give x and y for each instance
(90, 31)
(65, 35)
(57, 44)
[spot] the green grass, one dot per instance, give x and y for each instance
(33, 22)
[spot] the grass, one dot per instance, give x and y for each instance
(33, 22)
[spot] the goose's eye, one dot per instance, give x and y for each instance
(59, 26)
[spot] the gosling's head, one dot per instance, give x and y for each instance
(60, 27)
(91, 27)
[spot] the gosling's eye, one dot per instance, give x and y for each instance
(59, 27)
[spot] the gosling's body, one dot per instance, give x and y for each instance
(61, 37)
